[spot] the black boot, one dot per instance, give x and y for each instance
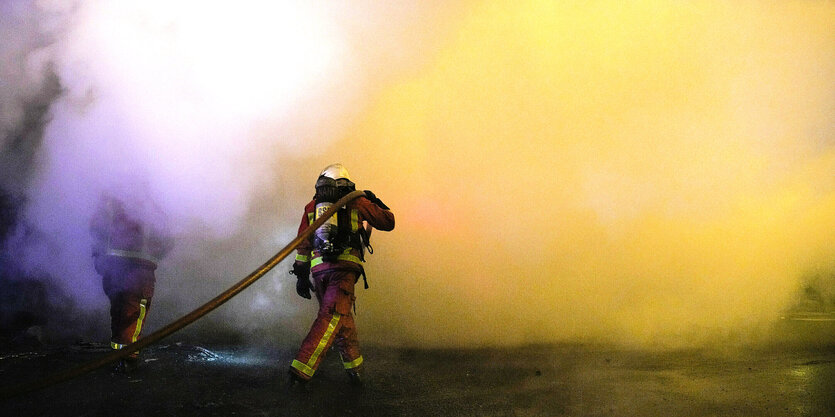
(354, 378)
(119, 367)
(296, 383)
(131, 364)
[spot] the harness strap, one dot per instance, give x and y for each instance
(364, 280)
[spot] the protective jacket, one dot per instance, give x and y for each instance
(350, 220)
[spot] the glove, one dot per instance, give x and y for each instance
(302, 272)
(373, 198)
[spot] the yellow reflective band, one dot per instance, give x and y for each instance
(325, 339)
(302, 368)
(310, 217)
(116, 346)
(307, 368)
(139, 320)
(353, 364)
(355, 221)
(349, 257)
(302, 258)
(344, 257)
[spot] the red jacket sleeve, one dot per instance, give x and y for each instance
(304, 248)
(375, 215)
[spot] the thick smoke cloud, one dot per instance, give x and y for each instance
(652, 173)
(28, 85)
(199, 111)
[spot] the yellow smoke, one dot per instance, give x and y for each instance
(648, 172)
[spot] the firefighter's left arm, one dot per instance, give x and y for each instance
(376, 216)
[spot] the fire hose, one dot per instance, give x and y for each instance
(185, 320)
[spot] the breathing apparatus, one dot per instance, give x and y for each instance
(333, 183)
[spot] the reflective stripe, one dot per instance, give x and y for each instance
(116, 346)
(353, 364)
(131, 254)
(302, 258)
(139, 320)
(344, 257)
(307, 368)
(302, 368)
(355, 221)
(325, 339)
(310, 217)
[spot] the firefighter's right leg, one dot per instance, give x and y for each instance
(316, 344)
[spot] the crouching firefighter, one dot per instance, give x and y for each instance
(126, 249)
(334, 254)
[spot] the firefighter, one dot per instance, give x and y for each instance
(334, 254)
(126, 250)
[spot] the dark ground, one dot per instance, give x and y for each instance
(557, 380)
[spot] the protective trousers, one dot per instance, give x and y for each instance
(334, 324)
(130, 287)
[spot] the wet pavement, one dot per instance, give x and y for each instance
(181, 379)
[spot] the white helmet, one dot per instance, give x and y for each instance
(335, 172)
